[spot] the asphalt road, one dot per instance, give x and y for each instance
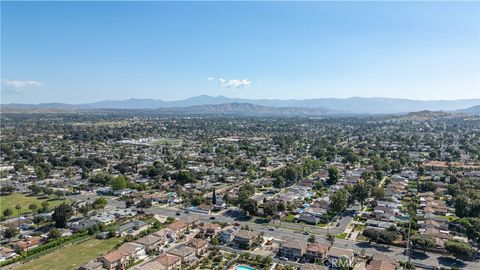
(295, 231)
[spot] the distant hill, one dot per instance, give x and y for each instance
(424, 115)
(354, 105)
(247, 109)
(475, 110)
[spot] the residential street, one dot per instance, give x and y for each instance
(294, 230)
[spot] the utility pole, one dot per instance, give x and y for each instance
(408, 239)
(410, 225)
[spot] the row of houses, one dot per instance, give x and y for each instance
(430, 222)
(313, 253)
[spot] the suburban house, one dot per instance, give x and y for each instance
(340, 253)
(210, 229)
(132, 228)
(134, 250)
(244, 239)
(163, 262)
(204, 208)
(92, 265)
(308, 218)
(226, 234)
(200, 245)
(191, 221)
(151, 242)
(316, 251)
(186, 254)
(381, 262)
(79, 225)
(378, 225)
(178, 226)
(292, 249)
(115, 260)
(7, 253)
(27, 243)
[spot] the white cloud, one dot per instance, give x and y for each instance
(18, 86)
(210, 78)
(234, 83)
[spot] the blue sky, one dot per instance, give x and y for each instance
(79, 52)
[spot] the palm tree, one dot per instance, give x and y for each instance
(331, 238)
(18, 207)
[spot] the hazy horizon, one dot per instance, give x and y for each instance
(82, 52)
(246, 99)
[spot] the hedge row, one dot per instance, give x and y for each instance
(49, 245)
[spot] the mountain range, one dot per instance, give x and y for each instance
(353, 105)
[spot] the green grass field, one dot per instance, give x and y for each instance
(10, 201)
(71, 256)
(341, 236)
(167, 141)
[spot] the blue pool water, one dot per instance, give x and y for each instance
(243, 267)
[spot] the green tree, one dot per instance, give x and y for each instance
(378, 193)
(7, 189)
(185, 177)
(54, 233)
(214, 197)
(339, 200)
(18, 207)
(422, 241)
(48, 191)
(61, 214)
(7, 212)
(100, 202)
(249, 206)
(460, 249)
(331, 238)
(214, 241)
(407, 265)
(333, 175)
(9, 233)
(279, 182)
(471, 226)
(34, 189)
(40, 173)
(144, 203)
(361, 191)
(45, 206)
(311, 239)
(32, 207)
(462, 206)
(270, 210)
(119, 182)
(85, 174)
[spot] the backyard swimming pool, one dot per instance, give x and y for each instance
(244, 267)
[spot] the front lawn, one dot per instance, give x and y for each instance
(289, 217)
(448, 218)
(341, 236)
(71, 256)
